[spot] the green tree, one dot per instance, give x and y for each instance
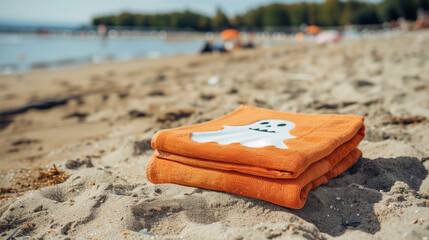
(220, 20)
(349, 10)
(106, 20)
(125, 19)
(424, 4)
(331, 10)
(393, 9)
(253, 18)
(204, 23)
(160, 21)
(142, 20)
(313, 14)
(275, 15)
(328, 13)
(366, 15)
(299, 14)
(388, 11)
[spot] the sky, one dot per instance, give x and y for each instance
(82, 11)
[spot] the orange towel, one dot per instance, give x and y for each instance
(265, 154)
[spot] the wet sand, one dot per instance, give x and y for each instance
(95, 123)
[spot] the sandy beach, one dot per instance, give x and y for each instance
(95, 124)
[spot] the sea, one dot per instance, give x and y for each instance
(31, 52)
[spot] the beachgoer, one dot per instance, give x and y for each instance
(207, 48)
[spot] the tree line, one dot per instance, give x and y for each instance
(327, 13)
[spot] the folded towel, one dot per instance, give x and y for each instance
(265, 154)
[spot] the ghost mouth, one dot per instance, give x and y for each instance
(262, 130)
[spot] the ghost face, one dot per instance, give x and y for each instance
(259, 134)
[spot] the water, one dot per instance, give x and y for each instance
(25, 52)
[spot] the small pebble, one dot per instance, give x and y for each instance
(213, 80)
(144, 231)
(239, 237)
(352, 223)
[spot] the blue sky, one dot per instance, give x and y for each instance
(81, 11)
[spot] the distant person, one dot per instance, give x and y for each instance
(249, 44)
(393, 24)
(219, 48)
(207, 48)
(349, 27)
(422, 21)
(21, 56)
(229, 45)
(102, 31)
(403, 24)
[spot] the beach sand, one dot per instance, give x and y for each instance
(95, 124)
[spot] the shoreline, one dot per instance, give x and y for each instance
(88, 63)
(262, 39)
(23, 52)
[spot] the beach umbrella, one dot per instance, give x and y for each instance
(313, 29)
(328, 36)
(230, 34)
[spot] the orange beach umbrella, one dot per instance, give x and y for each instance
(230, 34)
(313, 29)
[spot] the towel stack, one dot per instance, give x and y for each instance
(274, 156)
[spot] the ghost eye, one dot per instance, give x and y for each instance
(263, 123)
(281, 125)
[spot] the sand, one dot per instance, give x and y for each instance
(95, 124)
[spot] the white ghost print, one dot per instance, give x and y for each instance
(270, 132)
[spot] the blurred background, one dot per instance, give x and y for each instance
(50, 34)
